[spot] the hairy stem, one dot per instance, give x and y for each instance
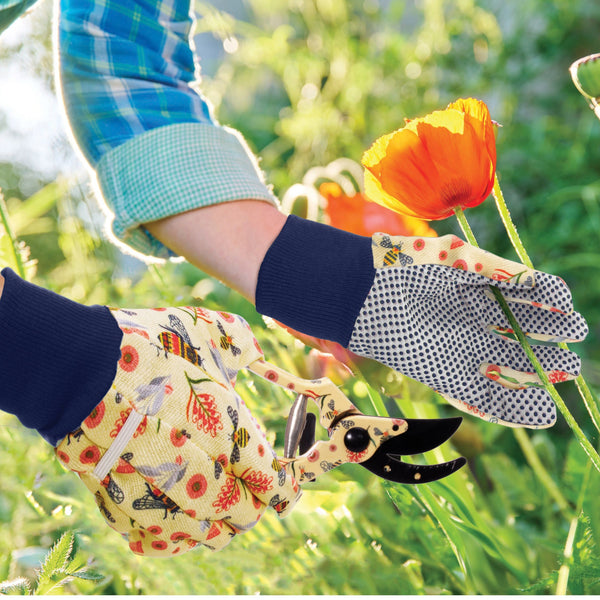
(589, 401)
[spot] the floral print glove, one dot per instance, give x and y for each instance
(171, 454)
(431, 315)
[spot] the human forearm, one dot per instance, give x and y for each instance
(227, 241)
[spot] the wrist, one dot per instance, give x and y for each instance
(227, 241)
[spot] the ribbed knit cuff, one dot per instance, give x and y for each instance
(315, 278)
(58, 358)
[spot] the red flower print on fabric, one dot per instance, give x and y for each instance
(493, 372)
(557, 376)
(62, 456)
(121, 421)
(196, 486)
(124, 467)
(456, 243)
(223, 460)
(460, 264)
(90, 455)
(129, 358)
(226, 316)
(271, 376)
(215, 530)
(257, 482)
(355, 457)
(202, 411)
(159, 545)
(137, 331)
(155, 529)
(229, 495)
(96, 416)
(179, 436)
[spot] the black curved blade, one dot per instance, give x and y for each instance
(390, 467)
(422, 435)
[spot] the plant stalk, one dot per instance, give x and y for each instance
(14, 244)
(590, 402)
(565, 568)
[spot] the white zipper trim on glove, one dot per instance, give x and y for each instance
(116, 448)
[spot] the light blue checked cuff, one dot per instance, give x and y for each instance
(171, 170)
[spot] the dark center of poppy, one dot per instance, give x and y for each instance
(456, 192)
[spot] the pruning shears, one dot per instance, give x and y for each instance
(376, 443)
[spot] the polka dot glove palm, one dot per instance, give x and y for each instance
(432, 316)
(171, 454)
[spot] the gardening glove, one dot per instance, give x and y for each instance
(169, 450)
(424, 307)
(431, 315)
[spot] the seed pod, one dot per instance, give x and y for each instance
(585, 73)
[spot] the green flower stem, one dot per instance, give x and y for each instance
(511, 230)
(565, 568)
(585, 443)
(14, 244)
(590, 402)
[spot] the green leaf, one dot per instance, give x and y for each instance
(25, 215)
(87, 574)
(59, 555)
(19, 584)
(53, 572)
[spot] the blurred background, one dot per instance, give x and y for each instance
(308, 82)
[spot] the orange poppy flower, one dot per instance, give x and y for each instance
(357, 215)
(434, 164)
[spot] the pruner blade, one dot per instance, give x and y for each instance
(392, 468)
(421, 435)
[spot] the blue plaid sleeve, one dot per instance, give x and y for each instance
(128, 76)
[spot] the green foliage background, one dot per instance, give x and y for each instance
(310, 81)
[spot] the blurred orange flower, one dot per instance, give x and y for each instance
(357, 215)
(434, 164)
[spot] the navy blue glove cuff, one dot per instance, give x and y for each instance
(315, 278)
(58, 358)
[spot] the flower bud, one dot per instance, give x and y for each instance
(585, 73)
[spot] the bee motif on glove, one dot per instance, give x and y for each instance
(176, 340)
(239, 437)
(394, 254)
(226, 341)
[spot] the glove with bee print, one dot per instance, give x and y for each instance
(169, 450)
(425, 307)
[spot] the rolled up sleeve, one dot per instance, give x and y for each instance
(129, 77)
